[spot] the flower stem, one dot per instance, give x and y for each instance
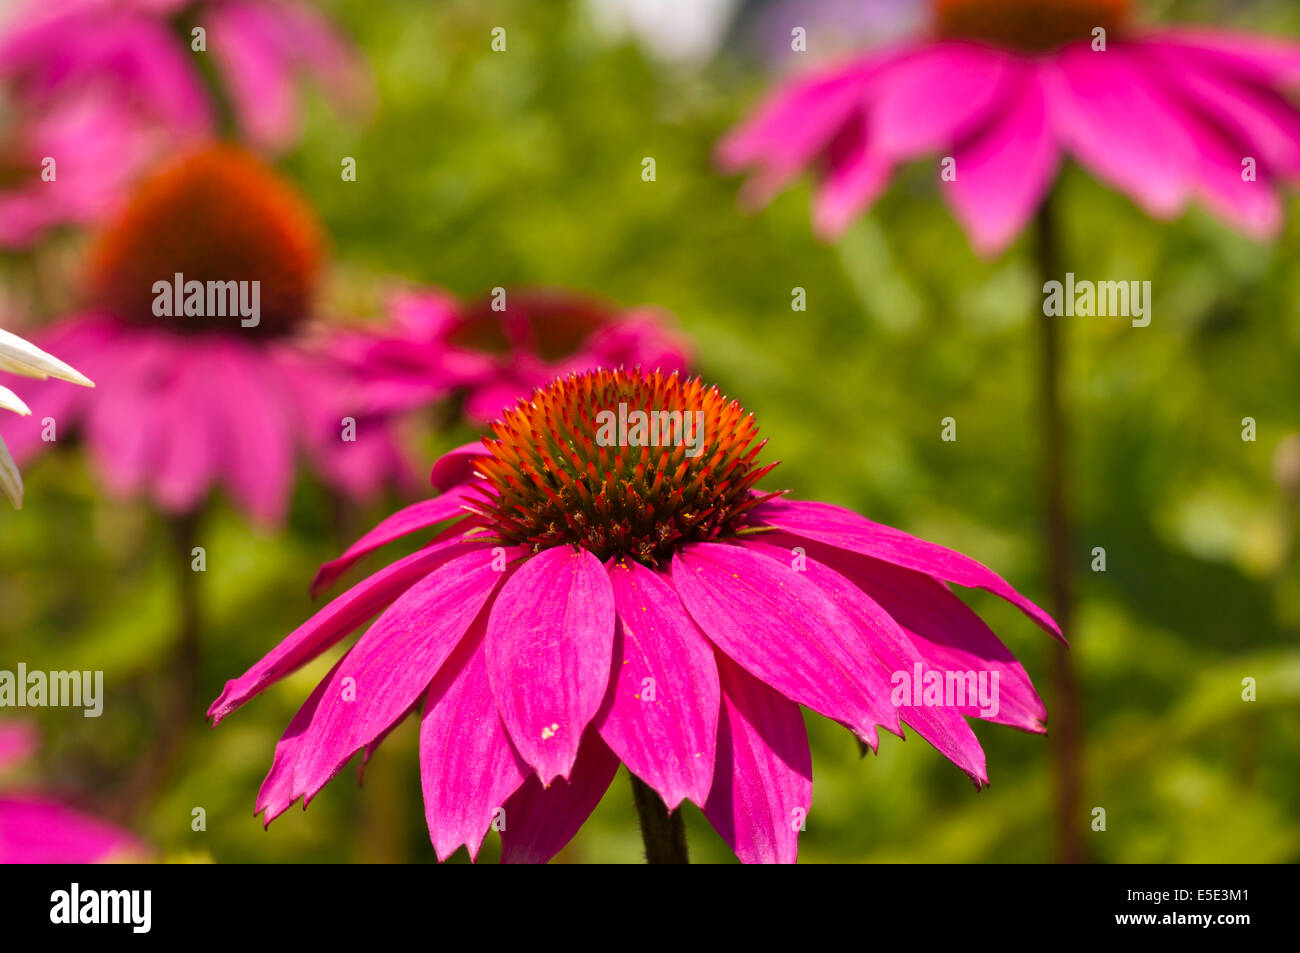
(180, 704)
(664, 834)
(1065, 738)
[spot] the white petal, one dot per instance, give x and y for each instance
(11, 401)
(23, 357)
(10, 480)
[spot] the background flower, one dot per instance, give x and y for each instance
(105, 88)
(491, 352)
(1008, 89)
(187, 402)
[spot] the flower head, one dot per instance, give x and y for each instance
(1007, 89)
(199, 330)
(598, 595)
(492, 351)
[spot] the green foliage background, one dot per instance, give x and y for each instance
(480, 169)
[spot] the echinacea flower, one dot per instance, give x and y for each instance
(21, 357)
(96, 91)
(490, 352)
(598, 600)
(36, 829)
(1008, 88)
(198, 331)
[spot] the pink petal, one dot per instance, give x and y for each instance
(1003, 172)
(930, 100)
(857, 176)
(845, 529)
(36, 830)
(333, 622)
(893, 650)
(784, 631)
(1265, 122)
(467, 766)
(762, 786)
(456, 466)
(666, 739)
(1105, 112)
(256, 434)
(410, 519)
(277, 791)
(392, 665)
(188, 454)
(18, 740)
(1265, 59)
(549, 644)
(946, 633)
(539, 820)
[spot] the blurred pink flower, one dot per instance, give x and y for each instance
(1008, 88)
(35, 829)
(594, 605)
(499, 349)
(105, 87)
(186, 402)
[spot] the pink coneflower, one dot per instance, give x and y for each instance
(96, 91)
(189, 401)
(491, 352)
(596, 603)
(35, 829)
(1008, 88)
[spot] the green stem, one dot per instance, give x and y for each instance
(664, 834)
(1065, 733)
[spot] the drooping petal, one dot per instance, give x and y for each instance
(1104, 113)
(1003, 172)
(392, 665)
(1266, 120)
(661, 716)
(255, 430)
(762, 785)
(277, 792)
(539, 820)
(549, 644)
(1264, 59)
(845, 529)
(856, 177)
(937, 96)
(467, 765)
(407, 520)
(785, 631)
(334, 621)
(946, 633)
(188, 455)
(890, 646)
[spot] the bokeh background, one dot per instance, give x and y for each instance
(480, 169)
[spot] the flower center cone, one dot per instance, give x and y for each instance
(1034, 25)
(213, 217)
